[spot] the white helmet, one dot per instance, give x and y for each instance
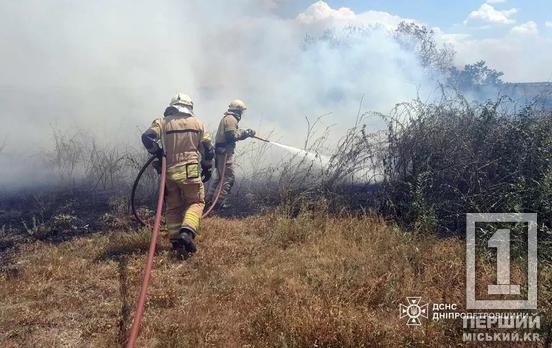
(237, 105)
(183, 103)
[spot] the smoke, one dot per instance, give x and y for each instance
(109, 68)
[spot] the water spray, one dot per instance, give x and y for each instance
(300, 152)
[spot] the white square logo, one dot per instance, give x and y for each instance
(500, 241)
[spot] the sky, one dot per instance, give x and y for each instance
(511, 35)
(450, 15)
(106, 69)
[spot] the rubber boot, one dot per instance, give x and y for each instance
(184, 245)
(188, 235)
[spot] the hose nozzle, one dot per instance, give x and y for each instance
(261, 139)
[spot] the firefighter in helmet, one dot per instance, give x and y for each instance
(184, 140)
(228, 134)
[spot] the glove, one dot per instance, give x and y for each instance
(159, 153)
(156, 164)
(250, 133)
(156, 150)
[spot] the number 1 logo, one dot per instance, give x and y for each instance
(500, 241)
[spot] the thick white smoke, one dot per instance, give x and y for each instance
(108, 68)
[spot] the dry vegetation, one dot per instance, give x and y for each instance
(261, 281)
(314, 264)
(454, 157)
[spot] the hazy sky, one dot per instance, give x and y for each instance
(514, 36)
(108, 68)
(450, 15)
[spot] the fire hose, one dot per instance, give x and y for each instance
(261, 139)
(149, 262)
(135, 186)
(156, 226)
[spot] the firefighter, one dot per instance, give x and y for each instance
(228, 134)
(184, 140)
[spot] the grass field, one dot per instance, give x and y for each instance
(269, 280)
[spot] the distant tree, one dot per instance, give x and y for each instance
(421, 40)
(478, 78)
(475, 77)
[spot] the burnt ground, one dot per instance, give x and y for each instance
(262, 280)
(57, 215)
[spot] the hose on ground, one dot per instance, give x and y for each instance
(156, 227)
(155, 234)
(149, 263)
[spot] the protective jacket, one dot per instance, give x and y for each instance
(225, 142)
(228, 132)
(183, 138)
(185, 141)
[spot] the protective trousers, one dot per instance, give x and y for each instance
(185, 203)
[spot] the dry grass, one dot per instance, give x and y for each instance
(257, 282)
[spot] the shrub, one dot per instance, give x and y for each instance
(447, 159)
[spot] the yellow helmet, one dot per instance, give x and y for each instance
(237, 105)
(183, 103)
